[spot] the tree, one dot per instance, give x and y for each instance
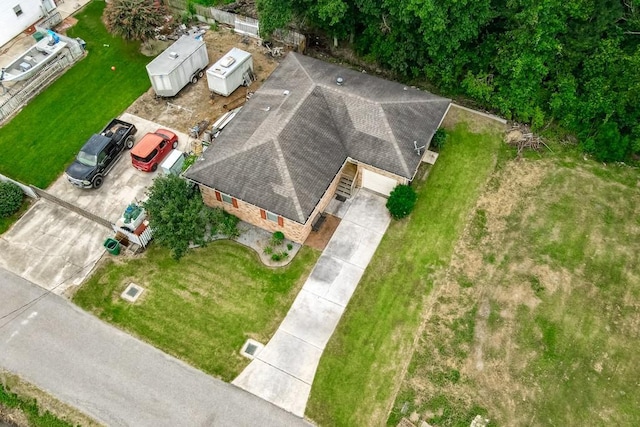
(178, 216)
(10, 198)
(401, 201)
(134, 19)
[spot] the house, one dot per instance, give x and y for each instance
(18, 15)
(314, 130)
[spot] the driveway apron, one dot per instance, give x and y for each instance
(283, 371)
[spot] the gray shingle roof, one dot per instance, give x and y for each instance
(283, 149)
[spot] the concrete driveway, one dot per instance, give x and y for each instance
(56, 248)
(283, 371)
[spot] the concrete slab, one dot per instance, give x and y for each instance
(56, 248)
(292, 355)
(123, 185)
(312, 319)
(333, 279)
(52, 246)
(365, 210)
(275, 386)
(283, 371)
(353, 243)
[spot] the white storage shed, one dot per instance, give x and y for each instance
(182, 62)
(234, 69)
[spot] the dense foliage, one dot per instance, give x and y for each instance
(439, 138)
(179, 218)
(576, 63)
(134, 19)
(10, 198)
(401, 201)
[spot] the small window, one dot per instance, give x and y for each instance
(18, 10)
(272, 217)
(102, 157)
(226, 198)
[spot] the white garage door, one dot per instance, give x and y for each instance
(378, 183)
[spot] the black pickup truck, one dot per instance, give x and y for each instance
(100, 153)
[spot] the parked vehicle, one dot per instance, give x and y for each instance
(184, 61)
(100, 153)
(152, 149)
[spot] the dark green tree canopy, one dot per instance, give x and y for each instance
(134, 19)
(179, 218)
(576, 63)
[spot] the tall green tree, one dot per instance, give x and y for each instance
(177, 214)
(134, 19)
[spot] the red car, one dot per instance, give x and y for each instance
(152, 149)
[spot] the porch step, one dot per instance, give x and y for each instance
(345, 186)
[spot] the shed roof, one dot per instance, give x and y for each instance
(220, 67)
(293, 136)
(166, 62)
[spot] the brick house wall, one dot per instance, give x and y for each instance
(255, 215)
(292, 230)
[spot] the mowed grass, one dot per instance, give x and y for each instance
(44, 137)
(203, 308)
(546, 285)
(363, 363)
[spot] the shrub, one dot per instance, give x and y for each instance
(289, 246)
(401, 201)
(276, 257)
(439, 138)
(10, 198)
(277, 238)
(268, 250)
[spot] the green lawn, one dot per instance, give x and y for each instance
(363, 362)
(42, 140)
(536, 321)
(203, 308)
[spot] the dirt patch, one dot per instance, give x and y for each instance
(67, 23)
(194, 103)
(45, 402)
(477, 123)
(319, 239)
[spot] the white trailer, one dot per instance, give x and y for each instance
(182, 62)
(230, 72)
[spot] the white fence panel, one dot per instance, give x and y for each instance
(25, 188)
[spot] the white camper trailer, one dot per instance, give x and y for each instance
(182, 62)
(234, 69)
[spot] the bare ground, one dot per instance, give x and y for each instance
(194, 103)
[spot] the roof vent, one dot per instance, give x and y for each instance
(339, 81)
(173, 55)
(227, 61)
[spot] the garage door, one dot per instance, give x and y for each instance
(378, 183)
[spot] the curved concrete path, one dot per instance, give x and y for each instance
(282, 372)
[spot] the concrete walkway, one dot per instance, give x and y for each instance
(283, 371)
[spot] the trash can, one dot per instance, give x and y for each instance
(113, 246)
(38, 36)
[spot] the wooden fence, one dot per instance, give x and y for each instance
(241, 24)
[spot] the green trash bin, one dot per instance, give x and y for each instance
(113, 246)
(38, 36)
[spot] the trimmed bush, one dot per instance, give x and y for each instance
(10, 198)
(439, 138)
(401, 201)
(277, 238)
